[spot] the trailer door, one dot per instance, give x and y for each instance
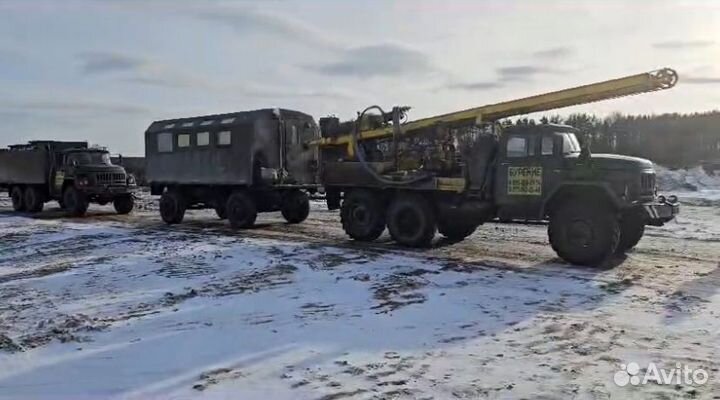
(300, 159)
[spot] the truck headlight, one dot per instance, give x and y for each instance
(131, 180)
(83, 181)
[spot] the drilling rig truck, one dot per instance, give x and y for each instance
(451, 173)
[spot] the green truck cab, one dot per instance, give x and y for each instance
(595, 203)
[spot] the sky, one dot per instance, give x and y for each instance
(102, 71)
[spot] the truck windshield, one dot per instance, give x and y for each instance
(570, 143)
(90, 158)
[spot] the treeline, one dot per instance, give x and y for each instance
(673, 140)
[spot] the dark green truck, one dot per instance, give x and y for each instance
(70, 172)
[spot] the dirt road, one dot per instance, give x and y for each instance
(111, 306)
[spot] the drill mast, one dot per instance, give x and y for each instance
(630, 85)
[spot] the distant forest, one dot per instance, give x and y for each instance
(672, 140)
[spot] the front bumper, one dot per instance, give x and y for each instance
(660, 211)
(107, 190)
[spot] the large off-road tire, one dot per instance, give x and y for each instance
(34, 200)
(18, 199)
(456, 231)
(362, 214)
(124, 204)
(411, 220)
(172, 207)
(241, 210)
(584, 233)
(75, 202)
(295, 206)
(632, 228)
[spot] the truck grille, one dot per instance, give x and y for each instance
(647, 182)
(110, 179)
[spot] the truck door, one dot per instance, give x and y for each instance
(518, 189)
(300, 159)
(57, 174)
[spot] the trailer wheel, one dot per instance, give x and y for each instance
(295, 206)
(241, 210)
(632, 228)
(584, 234)
(75, 202)
(18, 200)
(124, 204)
(411, 221)
(362, 215)
(456, 231)
(33, 200)
(172, 207)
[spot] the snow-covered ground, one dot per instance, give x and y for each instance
(126, 307)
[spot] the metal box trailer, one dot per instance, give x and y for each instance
(237, 163)
(69, 172)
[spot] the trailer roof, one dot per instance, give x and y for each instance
(227, 119)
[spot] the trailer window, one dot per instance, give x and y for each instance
(203, 138)
(224, 138)
(184, 140)
(517, 146)
(165, 142)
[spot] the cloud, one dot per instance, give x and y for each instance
(105, 62)
(71, 106)
(521, 72)
(554, 52)
(376, 60)
(250, 22)
(136, 70)
(683, 44)
(474, 86)
(700, 80)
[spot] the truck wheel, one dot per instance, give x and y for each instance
(241, 210)
(456, 231)
(632, 228)
(584, 234)
(295, 207)
(362, 215)
(75, 202)
(124, 204)
(172, 207)
(411, 221)
(18, 199)
(33, 200)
